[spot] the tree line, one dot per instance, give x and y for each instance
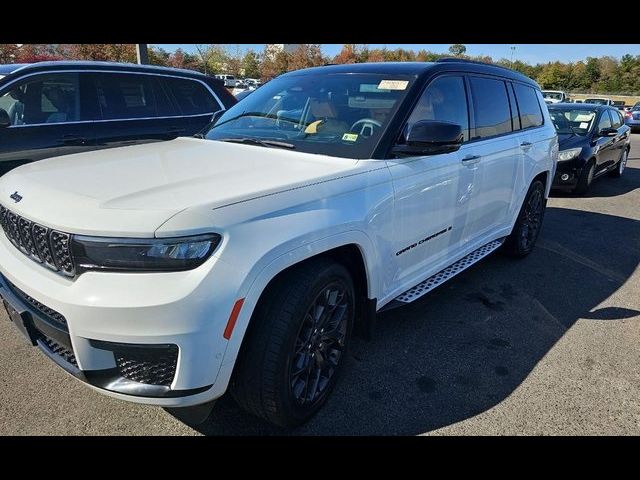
(593, 75)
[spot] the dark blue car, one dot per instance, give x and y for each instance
(594, 140)
(57, 108)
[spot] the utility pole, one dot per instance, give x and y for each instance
(143, 55)
(513, 49)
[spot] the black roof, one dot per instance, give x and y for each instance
(7, 68)
(418, 69)
(70, 65)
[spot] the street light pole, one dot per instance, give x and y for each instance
(513, 49)
(143, 55)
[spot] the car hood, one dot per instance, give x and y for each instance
(132, 190)
(571, 141)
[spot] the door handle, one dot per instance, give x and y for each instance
(470, 159)
(526, 145)
(73, 140)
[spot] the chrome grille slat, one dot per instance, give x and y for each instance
(49, 247)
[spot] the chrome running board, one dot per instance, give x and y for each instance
(442, 276)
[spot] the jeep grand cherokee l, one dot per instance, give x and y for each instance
(168, 273)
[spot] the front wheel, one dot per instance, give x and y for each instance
(296, 343)
(586, 178)
(621, 165)
(528, 224)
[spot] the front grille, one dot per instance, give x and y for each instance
(49, 313)
(49, 247)
(58, 349)
(153, 364)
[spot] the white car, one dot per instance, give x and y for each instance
(169, 273)
(554, 96)
(599, 100)
(229, 80)
(241, 87)
(253, 82)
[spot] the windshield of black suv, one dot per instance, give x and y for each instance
(335, 114)
(552, 95)
(570, 121)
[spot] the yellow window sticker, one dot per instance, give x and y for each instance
(350, 137)
(393, 84)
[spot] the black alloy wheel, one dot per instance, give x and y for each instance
(320, 344)
(527, 228)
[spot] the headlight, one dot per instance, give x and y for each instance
(142, 255)
(564, 155)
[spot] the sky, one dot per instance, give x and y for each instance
(530, 53)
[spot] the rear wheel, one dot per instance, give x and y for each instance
(621, 165)
(296, 345)
(584, 182)
(525, 232)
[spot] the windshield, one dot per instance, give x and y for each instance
(342, 115)
(552, 95)
(597, 101)
(578, 121)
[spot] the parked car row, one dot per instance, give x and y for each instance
(241, 83)
(243, 259)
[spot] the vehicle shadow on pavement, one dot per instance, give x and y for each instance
(465, 347)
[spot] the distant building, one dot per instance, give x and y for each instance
(274, 48)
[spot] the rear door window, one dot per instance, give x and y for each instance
(129, 96)
(528, 105)
(491, 111)
(192, 97)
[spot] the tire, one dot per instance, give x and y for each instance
(585, 180)
(525, 232)
(621, 165)
(286, 337)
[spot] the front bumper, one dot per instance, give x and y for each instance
(568, 173)
(106, 329)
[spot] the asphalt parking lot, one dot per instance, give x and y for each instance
(544, 345)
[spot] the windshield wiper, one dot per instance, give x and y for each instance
(258, 141)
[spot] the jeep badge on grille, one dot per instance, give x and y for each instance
(15, 196)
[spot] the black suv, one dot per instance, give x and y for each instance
(57, 108)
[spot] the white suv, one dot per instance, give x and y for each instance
(167, 273)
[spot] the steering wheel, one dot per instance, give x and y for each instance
(367, 124)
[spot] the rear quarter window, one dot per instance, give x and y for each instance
(528, 105)
(127, 96)
(192, 97)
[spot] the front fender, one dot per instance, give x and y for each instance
(267, 269)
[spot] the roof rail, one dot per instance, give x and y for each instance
(475, 62)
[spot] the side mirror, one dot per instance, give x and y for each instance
(607, 132)
(430, 137)
(5, 121)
